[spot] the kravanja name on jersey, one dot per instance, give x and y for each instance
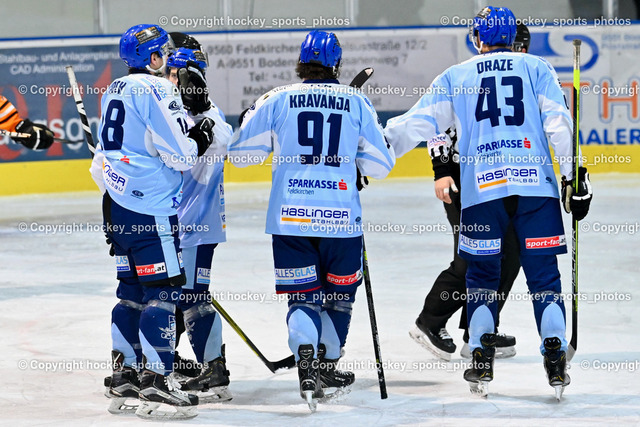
(313, 100)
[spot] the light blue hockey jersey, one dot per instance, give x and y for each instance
(201, 212)
(318, 133)
(143, 148)
(506, 108)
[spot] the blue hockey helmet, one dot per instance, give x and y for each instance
(140, 41)
(495, 26)
(320, 47)
(180, 57)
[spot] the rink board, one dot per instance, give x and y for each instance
(244, 65)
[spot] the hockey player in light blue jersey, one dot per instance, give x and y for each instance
(320, 133)
(507, 108)
(143, 151)
(202, 224)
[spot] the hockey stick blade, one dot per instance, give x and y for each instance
(361, 78)
(287, 362)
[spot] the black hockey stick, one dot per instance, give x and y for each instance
(573, 343)
(286, 363)
(374, 324)
(81, 111)
(358, 81)
(361, 78)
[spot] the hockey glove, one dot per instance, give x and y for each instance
(202, 134)
(40, 136)
(578, 202)
(193, 89)
(361, 181)
(112, 249)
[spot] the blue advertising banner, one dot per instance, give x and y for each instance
(35, 81)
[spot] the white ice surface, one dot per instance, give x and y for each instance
(57, 291)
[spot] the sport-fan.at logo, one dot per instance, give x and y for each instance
(507, 175)
(344, 280)
(545, 242)
(148, 270)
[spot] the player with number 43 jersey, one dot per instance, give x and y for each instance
(507, 107)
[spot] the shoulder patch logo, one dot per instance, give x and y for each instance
(173, 106)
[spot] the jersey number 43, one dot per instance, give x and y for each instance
(492, 112)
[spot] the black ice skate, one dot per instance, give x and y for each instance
(330, 377)
(211, 385)
(481, 371)
(183, 369)
(437, 342)
(310, 389)
(157, 389)
(123, 384)
(555, 363)
(505, 346)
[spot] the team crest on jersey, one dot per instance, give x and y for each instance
(223, 221)
(479, 246)
(296, 276)
(507, 175)
(173, 106)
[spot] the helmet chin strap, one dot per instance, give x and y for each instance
(159, 71)
(478, 47)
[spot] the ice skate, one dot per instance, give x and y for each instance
(121, 386)
(505, 346)
(330, 377)
(555, 363)
(183, 369)
(481, 371)
(438, 343)
(310, 389)
(157, 390)
(212, 384)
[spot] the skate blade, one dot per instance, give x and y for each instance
(423, 341)
(559, 389)
(151, 411)
(504, 352)
(313, 403)
(118, 406)
(335, 396)
(480, 388)
(214, 395)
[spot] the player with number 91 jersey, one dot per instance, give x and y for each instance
(504, 105)
(318, 132)
(143, 145)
